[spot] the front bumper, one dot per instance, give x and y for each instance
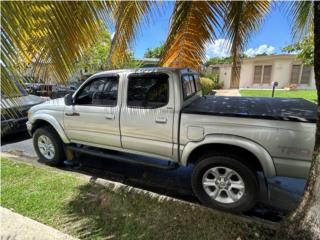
(13, 126)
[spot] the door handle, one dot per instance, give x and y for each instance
(161, 120)
(72, 114)
(110, 116)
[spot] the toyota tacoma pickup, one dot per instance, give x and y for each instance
(161, 113)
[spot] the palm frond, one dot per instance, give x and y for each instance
(242, 19)
(45, 32)
(193, 24)
(128, 16)
(301, 15)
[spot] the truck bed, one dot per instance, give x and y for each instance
(286, 109)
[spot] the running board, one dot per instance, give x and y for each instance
(124, 159)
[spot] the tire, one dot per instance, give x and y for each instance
(53, 154)
(232, 185)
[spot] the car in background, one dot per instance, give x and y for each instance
(49, 90)
(14, 112)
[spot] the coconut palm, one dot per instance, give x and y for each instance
(59, 32)
(46, 32)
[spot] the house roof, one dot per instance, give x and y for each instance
(259, 58)
(271, 57)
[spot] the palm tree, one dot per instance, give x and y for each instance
(304, 222)
(59, 33)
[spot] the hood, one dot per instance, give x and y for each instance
(21, 101)
(55, 104)
(286, 109)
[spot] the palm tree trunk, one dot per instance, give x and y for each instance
(304, 222)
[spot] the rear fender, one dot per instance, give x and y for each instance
(261, 154)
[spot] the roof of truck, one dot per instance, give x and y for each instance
(143, 70)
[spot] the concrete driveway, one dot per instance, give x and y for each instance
(282, 195)
(228, 92)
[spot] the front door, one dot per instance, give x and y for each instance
(147, 115)
(94, 117)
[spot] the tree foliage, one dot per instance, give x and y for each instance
(94, 58)
(154, 52)
(304, 49)
(218, 60)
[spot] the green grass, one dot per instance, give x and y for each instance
(310, 95)
(87, 210)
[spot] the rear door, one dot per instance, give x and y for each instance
(94, 118)
(147, 114)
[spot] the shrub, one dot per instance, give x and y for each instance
(210, 82)
(207, 85)
(215, 79)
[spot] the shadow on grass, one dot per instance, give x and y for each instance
(100, 212)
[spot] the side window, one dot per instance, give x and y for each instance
(188, 85)
(99, 92)
(148, 91)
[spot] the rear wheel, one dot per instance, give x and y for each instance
(225, 183)
(48, 146)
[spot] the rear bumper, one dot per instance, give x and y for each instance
(13, 126)
(292, 167)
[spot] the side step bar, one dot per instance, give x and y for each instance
(124, 159)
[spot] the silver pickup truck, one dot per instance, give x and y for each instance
(161, 113)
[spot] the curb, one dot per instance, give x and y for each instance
(18, 227)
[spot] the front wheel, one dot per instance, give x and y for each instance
(48, 146)
(225, 183)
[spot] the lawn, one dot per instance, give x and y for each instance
(310, 95)
(72, 204)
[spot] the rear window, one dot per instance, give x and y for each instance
(191, 85)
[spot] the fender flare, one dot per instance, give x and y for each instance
(53, 122)
(256, 149)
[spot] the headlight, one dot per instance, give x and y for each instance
(29, 114)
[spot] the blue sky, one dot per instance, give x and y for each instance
(271, 38)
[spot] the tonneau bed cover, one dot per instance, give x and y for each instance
(285, 109)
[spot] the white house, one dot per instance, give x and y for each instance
(262, 71)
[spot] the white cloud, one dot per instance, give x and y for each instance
(218, 48)
(251, 52)
(221, 48)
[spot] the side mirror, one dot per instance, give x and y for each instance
(69, 100)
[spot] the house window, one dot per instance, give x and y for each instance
(300, 74)
(257, 74)
(267, 74)
(295, 74)
(215, 70)
(262, 74)
(305, 75)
